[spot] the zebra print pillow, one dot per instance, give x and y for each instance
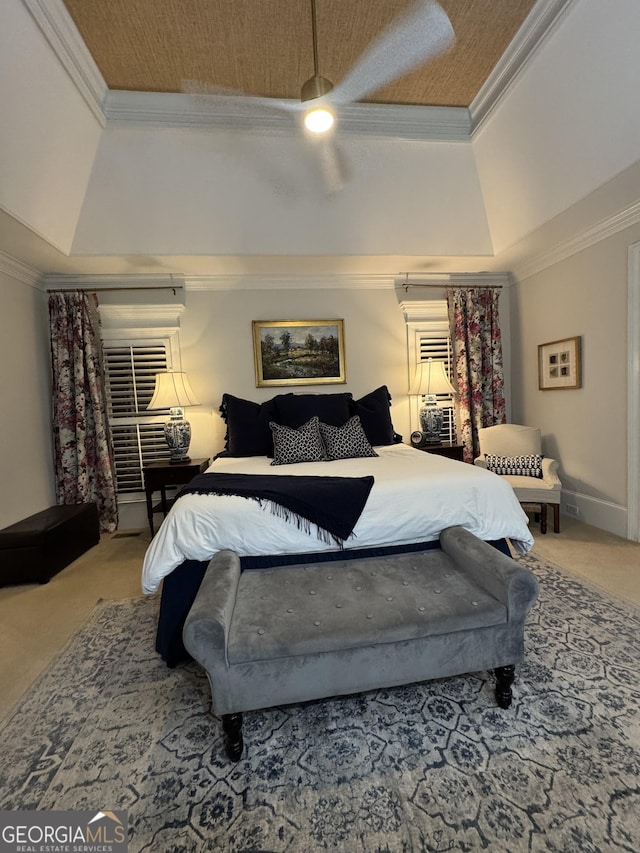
(515, 466)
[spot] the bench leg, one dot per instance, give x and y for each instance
(556, 518)
(504, 679)
(232, 727)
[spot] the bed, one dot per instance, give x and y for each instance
(412, 497)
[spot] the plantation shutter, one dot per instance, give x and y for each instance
(138, 434)
(436, 344)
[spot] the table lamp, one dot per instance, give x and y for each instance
(174, 392)
(430, 379)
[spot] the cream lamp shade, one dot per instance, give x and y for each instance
(430, 379)
(173, 391)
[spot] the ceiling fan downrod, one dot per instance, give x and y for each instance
(318, 119)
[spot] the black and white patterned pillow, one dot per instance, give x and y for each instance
(347, 441)
(515, 466)
(297, 445)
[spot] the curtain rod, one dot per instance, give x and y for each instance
(408, 284)
(107, 289)
(442, 285)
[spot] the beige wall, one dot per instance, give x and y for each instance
(217, 348)
(26, 469)
(586, 429)
(217, 352)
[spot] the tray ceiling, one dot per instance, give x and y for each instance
(265, 47)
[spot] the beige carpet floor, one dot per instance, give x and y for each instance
(37, 621)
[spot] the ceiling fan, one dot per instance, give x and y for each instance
(423, 32)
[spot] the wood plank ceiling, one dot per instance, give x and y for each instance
(265, 47)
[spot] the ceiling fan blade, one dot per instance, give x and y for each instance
(237, 103)
(334, 170)
(422, 33)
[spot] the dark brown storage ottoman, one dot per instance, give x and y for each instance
(37, 548)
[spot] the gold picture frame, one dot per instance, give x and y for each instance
(560, 365)
(298, 352)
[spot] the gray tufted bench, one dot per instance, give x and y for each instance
(294, 633)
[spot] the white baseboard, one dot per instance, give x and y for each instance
(604, 515)
(132, 515)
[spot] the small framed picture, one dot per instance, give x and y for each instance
(560, 364)
(299, 352)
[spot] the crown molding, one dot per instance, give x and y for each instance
(589, 237)
(20, 272)
(62, 34)
(257, 281)
(176, 109)
(220, 112)
(541, 22)
(396, 121)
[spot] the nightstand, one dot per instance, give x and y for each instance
(160, 475)
(451, 451)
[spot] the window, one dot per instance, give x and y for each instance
(437, 346)
(138, 434)
(428, 337)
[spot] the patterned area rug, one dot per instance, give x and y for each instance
(431, 767)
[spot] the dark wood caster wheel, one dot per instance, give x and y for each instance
(232, 727)
(504, 679)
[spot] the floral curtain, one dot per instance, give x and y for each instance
(477, 362)
(84, 463)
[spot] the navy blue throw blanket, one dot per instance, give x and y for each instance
(332, 504)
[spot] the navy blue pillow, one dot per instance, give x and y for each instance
(293, 410)
(375, 416)
(248, 431)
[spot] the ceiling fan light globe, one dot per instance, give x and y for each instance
(319, 120)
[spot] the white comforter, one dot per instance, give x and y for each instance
(415, 496)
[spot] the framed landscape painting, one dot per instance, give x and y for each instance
(560, 364)
(299, 352)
